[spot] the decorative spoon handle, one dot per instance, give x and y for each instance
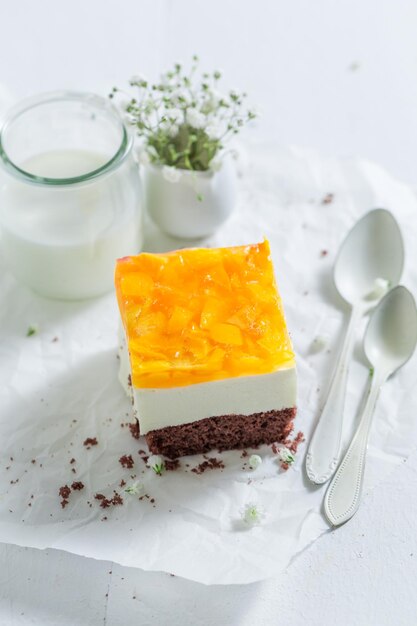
(343, 496)
(324, 450)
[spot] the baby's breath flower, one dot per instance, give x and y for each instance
(171, 174)
(183, 119)
(255, 461)
(286, 456)
(253, 514)
(213, 130)
(156, 463)
(135, 488)
(196, 119)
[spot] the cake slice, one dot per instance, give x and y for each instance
(205, 352)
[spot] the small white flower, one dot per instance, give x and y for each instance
(171, 174)
(195, 118)
(255, 461)
(181, 97)
(156, 463)
(253, 514)
(135, 489)
(380, 288)
(213, 130)
(175, 115)
(319, 343)
(286, 456)
(172, 130)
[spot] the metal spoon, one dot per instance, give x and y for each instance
(390, 340)
(372, 250)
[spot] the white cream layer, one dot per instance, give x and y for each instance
(242, 395)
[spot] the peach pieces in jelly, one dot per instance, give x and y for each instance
(202, 314)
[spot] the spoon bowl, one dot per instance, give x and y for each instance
(391, 336)
(373, 249)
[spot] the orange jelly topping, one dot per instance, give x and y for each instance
(202, 314)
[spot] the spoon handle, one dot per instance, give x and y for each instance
(324, 449)
(343, 496)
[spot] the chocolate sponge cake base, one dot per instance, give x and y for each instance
(223, 432)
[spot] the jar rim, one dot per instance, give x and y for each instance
(55, 96)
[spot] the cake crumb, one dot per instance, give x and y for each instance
(77, 485)
(126, 461)
(105, 503)
(72, 461)
(90, 441)
(134, 430)
(209, 464)
(64, 493)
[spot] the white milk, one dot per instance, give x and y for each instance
(63, 241)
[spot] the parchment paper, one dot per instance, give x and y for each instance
(60, 386)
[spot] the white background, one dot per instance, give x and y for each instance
(340, 77)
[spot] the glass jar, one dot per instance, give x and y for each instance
(70, 196)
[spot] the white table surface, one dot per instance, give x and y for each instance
(337, 76)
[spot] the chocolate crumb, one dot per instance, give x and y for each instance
(105, 503)
(90, 441)
(244, 454)
(122, 483)
(129, 380)
(209, 464)
(126, 461)
(134, 430)
(152, 500)
(77, 485)
(64, 492)
(33, 461)
(73, 470)
(72, 461)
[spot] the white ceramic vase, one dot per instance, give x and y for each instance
(195, 205)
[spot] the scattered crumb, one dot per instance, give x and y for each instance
(244, 454)
(33, 461)
(32, 330)
(209, 464)
(126, 461)
(90, 441)
(324, 253)
(134, 430)
(64, 493)
(77, 485)
(122, 483)
(105, 503)
(73, 470)
(72, 461)
(55, 339)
